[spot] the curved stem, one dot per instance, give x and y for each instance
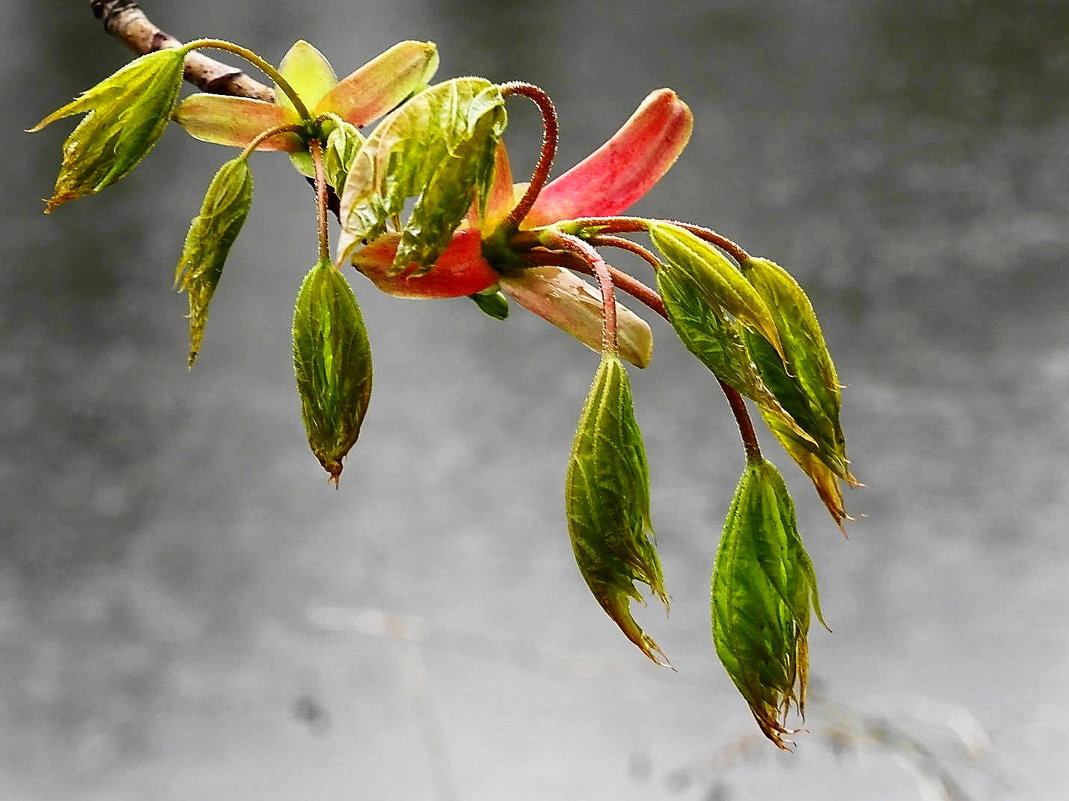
(266, 68)
(634, 225)
(550, 134)
(265, 135)
(651, 299)
(316, 148)
(629, 246)
(587, 255)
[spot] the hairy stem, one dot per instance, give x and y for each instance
(316, 148)
(124, 20)
(264, 135)
(635, 225)
(254, 59)
(653, 301)
(586, 254)
(550, 134)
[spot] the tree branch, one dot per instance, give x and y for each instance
(125, 20)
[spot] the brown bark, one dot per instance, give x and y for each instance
(125, 20)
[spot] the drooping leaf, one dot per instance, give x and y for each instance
(719, 282)
(211, 234)
(807, 385)
(438, 149)
(716, 340)
(332, 364)
(573, 305)
(126, 115)
(763, 587)
(607, 500)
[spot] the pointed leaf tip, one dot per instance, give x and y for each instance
(607, 504)
(763, 591)
(126, 115)
(211, 235)
(331, 363)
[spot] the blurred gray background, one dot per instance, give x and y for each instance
(187, 610)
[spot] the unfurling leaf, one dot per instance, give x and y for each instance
(343, 143)
(717, 341)
(125, 117)
(607, 499)
(719, 282)
(437, 148)
(806, 386)
(208, 242)
(763, 587)
(332, 363)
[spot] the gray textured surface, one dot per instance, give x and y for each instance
(187, 610)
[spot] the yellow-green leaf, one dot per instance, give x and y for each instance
(804, 380)
(126, 115)
(332, 364)
(211, 235)
(718, 280)
(308, 72)
(607, 499)
(763, 588)
(716, 340)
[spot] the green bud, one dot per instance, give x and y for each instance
(343, 143)
(125, 117)
(332, 364)
(763, 587)
(437, 148)
(607, 499)
(211, 235)
(719, 282)
(804, 381)
(718, 341)
(492, 302)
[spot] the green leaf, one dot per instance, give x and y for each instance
(492, 302)
(711, 274)
(717, 341)
(763, 587)
(343, 143)
(607, 499)
(438, 148)
(125, 117)
(805, 382)
(211, 235)
(332, 364)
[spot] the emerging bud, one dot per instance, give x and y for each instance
(607, 499)
(208, 242)
(332, 364)
(763, 587)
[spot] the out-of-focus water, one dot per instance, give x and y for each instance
(187, 610)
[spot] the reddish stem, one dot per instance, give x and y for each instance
(550, 134)
(634, 225)
(650, 298)
(597, 266)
